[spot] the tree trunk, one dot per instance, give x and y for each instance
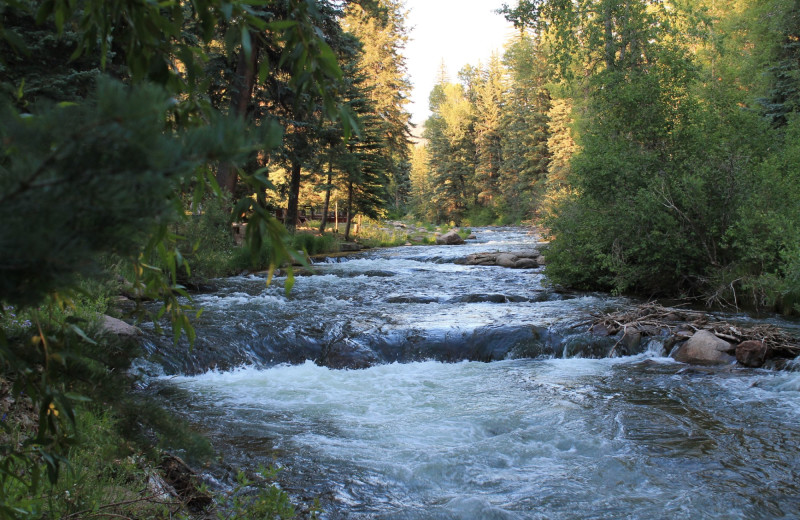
(294, 196)
(327, 198)
(241, 92)
(349, 211)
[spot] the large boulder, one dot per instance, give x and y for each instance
(751, 353)
(117, 327)
(451, 238)
(704, 348)
(481, 259)
(506, 260)
(526, 263)
(531, 253)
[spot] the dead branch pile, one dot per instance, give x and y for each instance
(651, 319)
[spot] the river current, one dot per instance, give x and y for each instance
(398, 384)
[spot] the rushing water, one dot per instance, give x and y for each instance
(538, 433)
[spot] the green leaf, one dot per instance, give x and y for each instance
(247, 44)
(77, 330)
(263, 71)
(289, 283)
(72, 396)
(227, 10)
(281, 25)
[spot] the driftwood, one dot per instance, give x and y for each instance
(651, 319)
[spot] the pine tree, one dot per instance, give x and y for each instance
(383, 35)
(560, 144)
(450, 134)
(490, 101)
(784, 94)
(524, 127)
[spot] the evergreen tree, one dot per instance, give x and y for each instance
(383, 35)
(422, 186)
(560, 143)
(490, 99)
(450, 134)
(525, 130)
(784, 92)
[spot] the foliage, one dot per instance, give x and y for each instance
(103, 474)
(128, 167)
(90, 176)
(383, 36)
(486, 141)
(674, 172)
(206, 240)
(313, 244)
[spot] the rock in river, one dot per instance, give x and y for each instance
(704, 348)
(751, 353)
(451, 238)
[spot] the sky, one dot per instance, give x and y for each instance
(460, 32)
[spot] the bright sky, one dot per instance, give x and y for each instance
(460, 32)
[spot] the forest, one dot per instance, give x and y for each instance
(656, 142)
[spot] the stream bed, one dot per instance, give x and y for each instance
(397, 384)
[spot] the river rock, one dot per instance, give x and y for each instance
(117, 327)
(478, 259)
(540, 260)
(632, 339)
(506, 260)
(704, 348)
(526, 263)
(599, 329)
(451, 238)
(472, 237)
(532, 253)
(751, 353)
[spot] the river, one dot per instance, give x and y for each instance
(396, 384)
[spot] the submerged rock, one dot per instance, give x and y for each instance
(704, 348)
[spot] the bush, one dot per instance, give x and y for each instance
(480, 216)
(314, 244)
(207, 241)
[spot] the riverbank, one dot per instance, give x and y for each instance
(79, 438)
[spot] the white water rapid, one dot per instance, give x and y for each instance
(539, 437)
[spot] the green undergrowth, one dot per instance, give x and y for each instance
(78, 441)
